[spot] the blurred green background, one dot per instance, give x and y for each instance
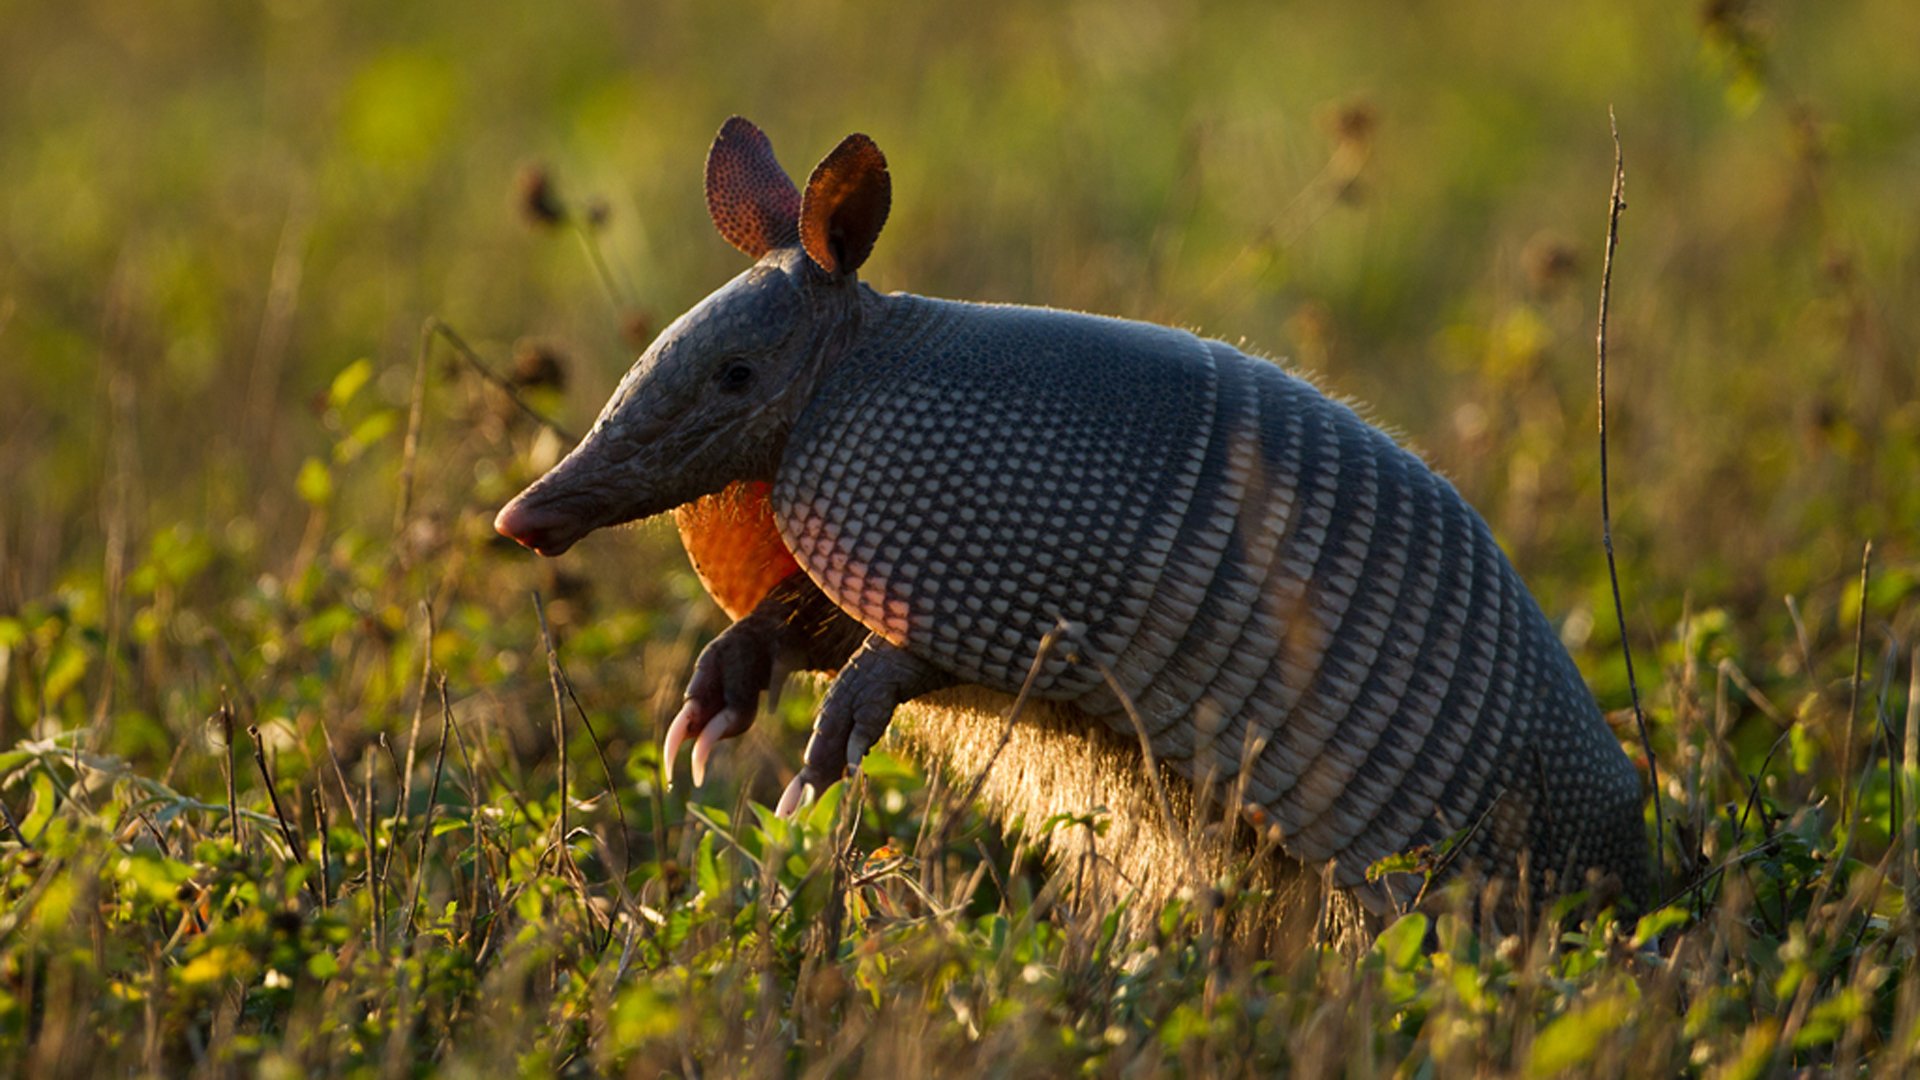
(210, 211)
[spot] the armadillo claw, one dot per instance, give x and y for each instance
(687, 719)
(717, 728)
(797, 792)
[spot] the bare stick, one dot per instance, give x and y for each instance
(226, 733)
(340, 776)
(435, 326)
(273, 796)
(606, 768)
(376, 882)
(1150, 763)
(1909, 785)
(1048, 642)
(426, 825)
(14, 825)
(1853, 688)
(1617, 202)
(419, 709)
(326, 858)
(410, 449)
(559, 712)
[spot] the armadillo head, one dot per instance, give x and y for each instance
(712, 399)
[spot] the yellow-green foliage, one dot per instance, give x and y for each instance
(224, 225)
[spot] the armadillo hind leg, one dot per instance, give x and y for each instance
(856, 710)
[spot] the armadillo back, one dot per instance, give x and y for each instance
(1297, 609)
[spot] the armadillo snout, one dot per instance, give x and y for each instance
(545, 527)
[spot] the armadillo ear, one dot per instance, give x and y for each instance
(753, 203)
(846, 203)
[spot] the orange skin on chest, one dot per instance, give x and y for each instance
(736, 551)
(739, 556)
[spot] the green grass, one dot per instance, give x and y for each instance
(223, 228)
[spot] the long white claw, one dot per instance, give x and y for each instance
(676, 735)
(710, 735)
(790, 799)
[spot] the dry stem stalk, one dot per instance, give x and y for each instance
(426, 825)
(1617, 202)
(1853, 689)
(1910, 822)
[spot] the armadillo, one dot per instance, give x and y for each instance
(1189, 558)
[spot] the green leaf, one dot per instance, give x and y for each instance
(1400, 943)
(1830, 1018)
(12, 760)
(1570, 1041)
(1804, 749)
(64, 671)
(1652, 925)
(365, 434)
(644, 1014)
(706, 868)
(40, 810)
(216, 965)
(1405, 862)
(819, 817)
(315, 482)
(154, 875)
(348, 382)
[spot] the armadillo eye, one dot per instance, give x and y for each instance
(734, 376)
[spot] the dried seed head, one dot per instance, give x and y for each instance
(1352, 124)
(539, 202)
(1549, 262)
(537, 364)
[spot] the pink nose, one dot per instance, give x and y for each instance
(538, 528)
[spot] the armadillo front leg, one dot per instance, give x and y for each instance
(856, 711)
(793, 628)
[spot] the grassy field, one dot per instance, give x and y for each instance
(306, 772)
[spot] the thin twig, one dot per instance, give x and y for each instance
(410, 449)
(563, 838)
(1853, 688)
(399, 810)
(340, 775)
(14, 826)
(435, 326)
(419, 710)
(606, 768)
(1910, 822)
(1048, 642)
(326, 856)
(559, 711)
(273, 796)
(1455, 850)
(376, 880)
(1616, 202)
(226, 733)
(426, 826)
(1151, 764)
